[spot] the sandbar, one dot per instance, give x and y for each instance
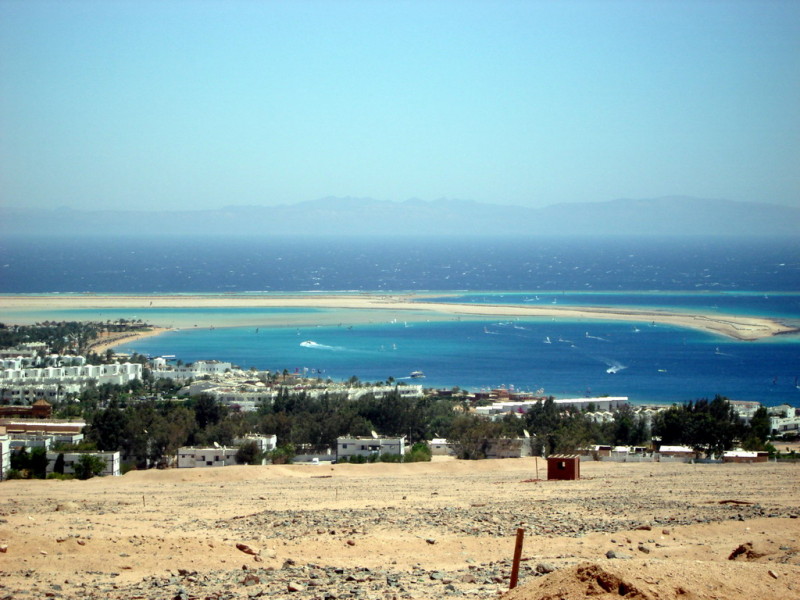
(738, 327)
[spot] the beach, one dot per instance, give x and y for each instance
(416, 531)
(109, 341)
(739, 327)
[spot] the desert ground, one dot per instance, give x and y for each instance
(407, 531)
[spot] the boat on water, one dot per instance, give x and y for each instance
(417, 374)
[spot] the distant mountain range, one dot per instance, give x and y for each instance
(366, 216)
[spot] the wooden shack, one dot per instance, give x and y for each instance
(564, 466)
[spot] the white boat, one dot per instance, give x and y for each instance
(417, 374)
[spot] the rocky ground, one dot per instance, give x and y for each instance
(414, 531)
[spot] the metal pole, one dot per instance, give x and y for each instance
(517, 557)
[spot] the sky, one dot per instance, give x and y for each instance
(182, 105)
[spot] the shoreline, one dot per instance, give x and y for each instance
(109, 342)
(743, 328)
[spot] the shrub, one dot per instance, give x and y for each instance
(58, 466)
(282, 455)
(126, 467)
(420, 452)
(249, 454)
(391, 458)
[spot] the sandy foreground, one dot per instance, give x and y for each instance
(737, 327)
(417, 531)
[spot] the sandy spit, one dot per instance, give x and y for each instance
(736, 327)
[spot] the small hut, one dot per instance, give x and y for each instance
(564, 466)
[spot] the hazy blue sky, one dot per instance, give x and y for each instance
(202, 104)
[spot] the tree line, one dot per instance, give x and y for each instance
(149, 432)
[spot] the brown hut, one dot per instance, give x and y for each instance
(564, 466)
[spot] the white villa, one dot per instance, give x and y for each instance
(112, 460)
(5, 453)
(161, 369)
(25, 384)
(601, 404)
(190, 457)
(222, 456)
(368, 446)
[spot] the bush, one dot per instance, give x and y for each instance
(249, 454)
(38, 463)
(282, 455)
(60, 476)
(420, 452)
(391, 458)
(58, 466)
(356, 459)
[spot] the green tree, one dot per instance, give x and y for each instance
(708, 426)
(469, 435)
(58, 466)
(249, 454)
(672, 425)
(282, 455)
(420, 452)
(38, 463)
(88, 466)
(758, 431)
(20, 461)
(170, 430)
(760, 424)
(207, 411)
(108, 428)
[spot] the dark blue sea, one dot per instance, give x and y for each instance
(648, 363)
(492, 264)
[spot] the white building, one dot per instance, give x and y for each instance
(744, 409)
(196, 370)
(190, 457)
(112, 460)
(604, 403)
(24, 384)
(30, 441)
(508, 447)
(788, 424)
(265, 443)
(675, 454)
(5, 453)
(381, 391)
(29, 350)
(441, 447)
(600, 416)
(28, 393)
(369, 446)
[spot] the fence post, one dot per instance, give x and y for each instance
(517, 557)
